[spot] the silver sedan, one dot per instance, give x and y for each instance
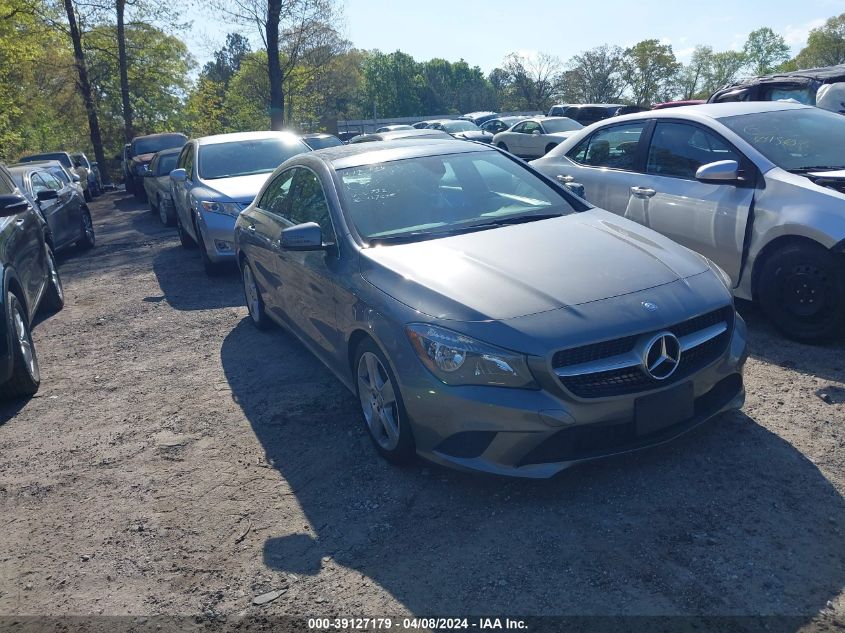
(484, 317)
(759, 188)
(533, 138)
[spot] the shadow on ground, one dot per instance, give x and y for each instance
(826, 361)
(730, 519)
(185, 285)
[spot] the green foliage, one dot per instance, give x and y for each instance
(765, 50)
(651, 71)
(825, 45)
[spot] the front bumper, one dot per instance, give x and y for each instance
(537, 434)
(218, 235)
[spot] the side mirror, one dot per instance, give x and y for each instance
(178, 175)
(12, 204)
(47, 194)
(302, 237)
(722, 171)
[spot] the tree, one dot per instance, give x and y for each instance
(595, 76)
(227, 60)
(725, 68)
(393, 84)
(825, 45)
(765, 50)
(84, 84)
(693, 78)
(292, 30)
(650, 69)
(532, 80)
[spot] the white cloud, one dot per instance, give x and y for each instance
(796, 34)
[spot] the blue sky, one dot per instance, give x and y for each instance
(483, 32)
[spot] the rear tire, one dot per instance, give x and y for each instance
(382, 406)
(54, 294)
(212, 269)
(165, 215)
(549, 148)
(801, 290)
(26, 376)
(503, 146)
(88, 239)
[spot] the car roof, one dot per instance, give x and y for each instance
(713, 110)
(358, 154)
(136, 138)
(318, 135)
(38, 163)
(169, 150)
(245, 136)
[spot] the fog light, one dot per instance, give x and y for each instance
(222, 246)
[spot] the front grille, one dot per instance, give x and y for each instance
(633, 379)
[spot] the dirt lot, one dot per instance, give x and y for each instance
(178, 461)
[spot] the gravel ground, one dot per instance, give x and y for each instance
(178, 461)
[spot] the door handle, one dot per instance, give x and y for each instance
(564, 178)
(643, 192)
(20, 222)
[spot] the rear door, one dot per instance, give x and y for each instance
(51, 210)
(25, 243)
(606, 163)
(708, 218)
(532, 140)
(181, 189)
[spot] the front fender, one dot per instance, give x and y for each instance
(6, 276)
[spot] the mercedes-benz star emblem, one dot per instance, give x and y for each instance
(651, 307)
(662, 356)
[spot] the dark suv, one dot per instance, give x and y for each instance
(586, 113)
(141, 152)
(29, 279)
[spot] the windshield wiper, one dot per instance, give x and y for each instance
(800, 170)
(483, 226)
(520, 219)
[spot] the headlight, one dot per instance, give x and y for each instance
(456, 359)
(224, 208)
(724, 277)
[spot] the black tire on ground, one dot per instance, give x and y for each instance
(186, 240)
(549, 148)
(87, 194)
(254, 301)
(165, 211)
(153, 206)
(212, 269)
(404, 450)
(88, 239)
(54, 295)
(26, 377)
(801, 289)
(140, 192)
(130, 186)
(501, 145)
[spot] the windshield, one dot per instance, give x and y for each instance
(151, 145)
(560, 125)
(321, 142)
(59, 173)
(166, 164)
(431, 196)
(244, 158)
(795, 140)
(460, 126)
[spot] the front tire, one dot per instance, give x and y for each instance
(802, 291)
(186, 240)
(212, 269)
(549, 148)
(165, 215)
(503, 146)
(54, 294)
(26, 376)
(254, 302)
(381, 404)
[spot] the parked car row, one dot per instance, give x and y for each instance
(77, 165)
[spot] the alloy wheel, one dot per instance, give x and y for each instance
(162, 212)
(251, 292)
(54, 275)
(88, 225)
(24, 340)
(378, 401)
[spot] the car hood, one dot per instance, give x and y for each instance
(474, 135)
(524, 269)
(239, 188)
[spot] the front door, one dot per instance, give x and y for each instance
(705, 217)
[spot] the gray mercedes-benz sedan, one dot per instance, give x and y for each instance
(485, 317)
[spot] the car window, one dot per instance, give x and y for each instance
(189, 162)
(51, 181)
(417, 198)
(166, 164)
(183, 157)
(153, 167)
(531, 127)
(614, 146)
(37, 183)
(679, 149)
(60, 175)
(308, 202)
(6, 186)
(276, 198)
(519, 128)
